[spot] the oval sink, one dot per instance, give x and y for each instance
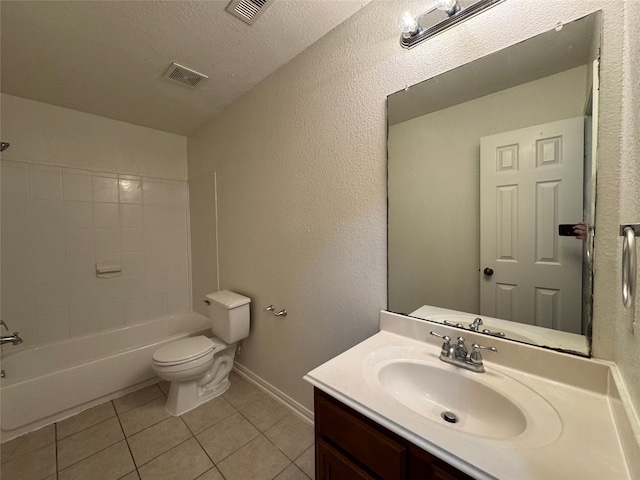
(431, 391)
(489, 407)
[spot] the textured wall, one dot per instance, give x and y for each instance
(301, 170)
(46, 134)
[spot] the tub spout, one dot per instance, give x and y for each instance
(15, 339)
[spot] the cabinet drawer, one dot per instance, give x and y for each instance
(352, 433)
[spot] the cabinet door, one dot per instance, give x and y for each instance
(332, 465)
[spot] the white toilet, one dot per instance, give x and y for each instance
(198, 367)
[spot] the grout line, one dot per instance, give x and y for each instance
(135, 466)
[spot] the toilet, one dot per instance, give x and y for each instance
(198, 367)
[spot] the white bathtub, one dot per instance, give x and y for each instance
(48, 383)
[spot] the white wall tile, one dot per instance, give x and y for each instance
(50, 271)
(133, 264)
(77, 187)
(175, 217)
(15, 214)
(156, 307)
(17, 273)
(45, 182)
(175, 193)
(155, 239)
(83, 321)
(135, 311)
(176, 238)
(51, 299)
(177, 281)
(130, 190)
(53, 327)
(131, 216)
(48, 242)
(106, 215)
(81, 268)
(78, 214)
(17, 304)
(156, 284)
(16, 242)
(80, 241)
(82, 295)
(177, 302)
(46, 213)
(132, 239)
(155, 216)
(109, 290)
(14, 181)
(107, 240)
(105, 189)
(110, 316)
(176, 260)
(155, 262)
(152, 192)
(134, 287)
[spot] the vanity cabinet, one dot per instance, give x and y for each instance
(350, 446)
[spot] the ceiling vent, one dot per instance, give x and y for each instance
(184, 75)
(248, 10)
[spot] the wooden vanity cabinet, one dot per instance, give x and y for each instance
(350, 446)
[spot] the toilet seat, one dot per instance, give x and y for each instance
(186, 350)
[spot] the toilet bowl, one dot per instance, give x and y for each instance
(198, 367)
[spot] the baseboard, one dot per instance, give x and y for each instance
(297, 408)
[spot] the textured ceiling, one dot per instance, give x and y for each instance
(108, 57)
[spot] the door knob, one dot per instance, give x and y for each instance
(488, 271)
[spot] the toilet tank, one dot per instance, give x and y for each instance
(229, 315)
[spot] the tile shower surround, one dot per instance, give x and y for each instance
(58, 222)
(241, 435)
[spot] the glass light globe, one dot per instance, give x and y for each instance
(449, 6)
(407, 24)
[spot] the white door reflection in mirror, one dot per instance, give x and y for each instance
(530, 182)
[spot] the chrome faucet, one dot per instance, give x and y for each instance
(15, 339)
(459, 356)
(475, 326)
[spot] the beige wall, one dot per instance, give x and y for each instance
(301, 171)
(47, 134)
(434, 167)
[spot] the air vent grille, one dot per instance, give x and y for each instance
(184, 75)
(248, 10)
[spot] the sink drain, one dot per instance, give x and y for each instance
(449, 417)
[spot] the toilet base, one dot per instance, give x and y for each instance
(184, 396)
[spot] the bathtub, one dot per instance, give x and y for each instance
(48, 383)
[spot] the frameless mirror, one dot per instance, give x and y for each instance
(491, 169)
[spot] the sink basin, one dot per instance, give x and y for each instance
(489, 407)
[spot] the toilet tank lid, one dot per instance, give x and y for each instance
(228, 299)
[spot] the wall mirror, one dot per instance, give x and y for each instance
(486, 164)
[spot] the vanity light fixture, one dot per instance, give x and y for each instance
(416, 30)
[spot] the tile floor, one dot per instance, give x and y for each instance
(241, 435)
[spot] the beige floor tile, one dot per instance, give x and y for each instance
(157, 439)
(87, 442)
(164, 387)
(35, 465)
(109, 464)
(291, 473)
(85, 419)
(257, 460)
(139, 418)
(291, 435)
(212, 474)
(185, 462)
(234, 377)
(208, 414)
(137, 398)
(131, 476)
(265, 413)
(27, 443)
(243, 393)
(227, 436)
(307, 462)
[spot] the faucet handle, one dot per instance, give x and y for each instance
(451, 324)
(446, 346)
(475, 357)
(461, 349)
(476, 324)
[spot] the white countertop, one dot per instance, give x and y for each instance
(587, 446)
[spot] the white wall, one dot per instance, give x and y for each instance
(301, 166)
(434, 167)
(58, 222)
